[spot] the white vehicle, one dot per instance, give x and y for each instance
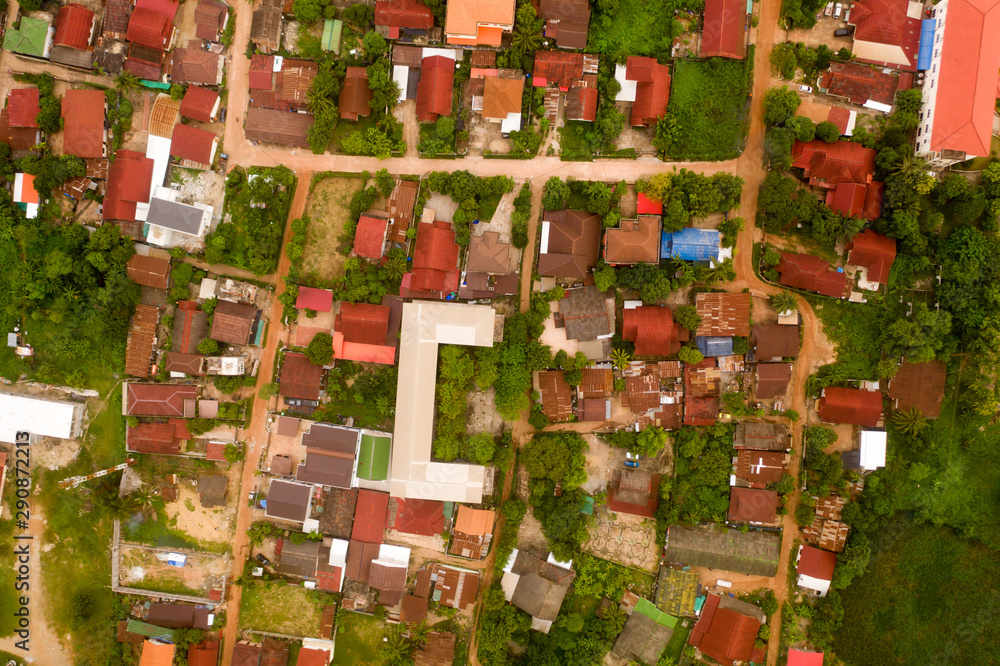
(837, 9)
(847, 16)
(805, 89)
(723, 583)
(829, 9)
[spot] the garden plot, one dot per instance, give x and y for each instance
(211, 527)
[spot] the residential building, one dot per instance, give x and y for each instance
(116, 18)
(919, 386)
(574, 74)
(478, 22)
(845, 119)
(690, 244)
(366, 333)
(388, 574)
(652, 329)
(210, 19)
(502, 102)
(260, 76)
(849, 405)
(205, 653)
(61, 419)
(439, 649)
(536, 586)
(645, 635)
(771, 380)
(194, 64)
(25, 195)
(141, 339)
(435, 271)
(887, 32)
(127, 186)
(802, 658)
(804, 271)
(570, 243)
(753, 506)
(151, 24)
(870, 454)
(83, 123)
(752, 553)
(425, 325)
(173, 400)
(74, 32)
(417, 516)
(370, 236)
(815, 568)
(190, 327)
(149, 271)
(472, 533)
(317, 300)
(724, 29)
(860, 84)
(400, 209)
(566, 22)
(355, 95)
(331, 452)
(156, 653)
(180, 365)
(300, 378)
(633, 241)
(759, 469)
(33, 37)
(158, 438)
(278, 127)
(19, 120)
(200, 103)
(676, 591)
(265, 26)
(645, 83)
(434, 92)
(960, 87)
(233, 323)
(396, 17)
(874, 253)
(773, 342)
(556, 395)
(724, 314)
(194, 146)
(725, 634)
(487, 254)
(827, 165)
(454, 587)
(287, 500)
(635, 492)
(857, 200)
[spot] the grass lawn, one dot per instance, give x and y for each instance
(572, 145)
(488, 206)
(329, 217)
(678, 640)
(358, 639)
(634, 27)
(709, 101)
(284, 609)
(930, 598)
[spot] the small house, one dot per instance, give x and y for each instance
(570, 243)
(848, 405)
(815, 568)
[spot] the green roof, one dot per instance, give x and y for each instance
(149, 630)
(646, 607)
(29, 39)
(331, 35)
(373, 461)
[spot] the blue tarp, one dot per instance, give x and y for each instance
(690, 244)
(714, 346)
(927, 28)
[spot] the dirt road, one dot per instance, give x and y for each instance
(256, 437)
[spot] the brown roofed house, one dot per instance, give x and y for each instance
(566, 21)
(142, 337)
(149, 271)
(634, 242)
(439, 649)
(750, 505)
(158, 438)
(724, 634)
(537, 587)
(772, 380)
(596, 383)
(919, 386)
(571, 243)
(196, 65)
(458, 587)
(193, 145)
(187, 364)
(557, 395)
(804, 271)
(488, 255)
(652, 91)
(634, 491)
(355, 95)
(762, 437)
(775, 341)
(390, 580)
(210, 18)
(642, 640)
(652, 329)
(472, 533)
(280, 127)
(502, 98)
(478, 22)
(724, 314)
(287, 500)
(434, 92)
(587, 313)
(83, 118)
(300, 378)
(190, 327)
(232, 323)
(200, 104)
(873, 252)
(159, 399)
(758, 469)
(849, 405)
(265, 26)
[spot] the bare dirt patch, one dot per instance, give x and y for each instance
(328, 211)
(147, 569)
(442, 205)
(214, 525)
(482, 415)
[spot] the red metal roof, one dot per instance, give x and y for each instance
(434, 91)
(967, 80)
(581, 103)
(191, 143)
(652, 330)
(435, 259)
(416, 516)
(199, 103)
(83, 127)
(557, 69)
(205, 653)
(753, 505)
(73, 26)
(154, 438)
(652, 92)
(149, 28)
(829, 164)
(804, 271)
(129, 180)
(371, 515)
(23, 107)
(724, 29)
(363, 323)
(261, 73)
(886, 22)
(403, 14)
(800, 658)
(320, 300)
(816, 563)
(300, 378)
(860, 83)
(143, 69)
(647, 206)
(369, 236)
(873, 251)
(723, 634)
(849, 405)
(311, 657)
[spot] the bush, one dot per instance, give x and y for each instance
(827, 132)
(690, 355)
(688, 317)
(320, 349)
(208, 347)
(780, 104)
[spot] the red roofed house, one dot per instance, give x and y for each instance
(753, 505)
(74, 27)
(887, 32)
(860, 84)
(434, 91)
(355, 95)
(416, 516)
(128, 185)
(23, 106)
(362, 332)
(815, 569)
(200, 104)
(723, 32)
(205, 653)
(435, 263)
(160, 438)
(369, 236)
(482, 22)
(300, 378)
(193, 145)
(317, 300)
(261, 73)
(652, 91)
(724, 634)
(827, 165)
(634, 241)
(800, 658)
(652, 329)
(83, 126)
(849, 405)
(961, 83)
(873, 252)
(371, 515)
(557, 69)
(175, 400)
(857, 200)
(396, 14)
(804, 271)
(150, 28)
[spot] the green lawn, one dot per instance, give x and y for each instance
(708, 99)
(373, 463)
(928, 598)
(284, 609)
(632, 27)
(488, 206)
(678, 640)
(572, 145)
(358, 639)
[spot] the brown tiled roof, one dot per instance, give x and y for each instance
(359, 559)
(830, 507)
(18, 138)
(389, 581)
(775, 341)
(483, 59)
(83, 115)
(265, 27)
(161, 438)
(596, 383)
(407, 55)
(860, 83)
(23, 106)
(634, 242)
(149, 271)
(189, 364)
(920, 386)
(558, 68)
(458, 588)
(414, 609)
(724, 314)
(295, 79)
(488, 255)
(557, 396)
(422, 586)
(140, 340)
(116, 16)
(574, 241)
(566, 21)
(400, 208)
(195, 65)
(158, 399)
(702, 379)
(643, 393)
(760, 468)
(749, 505)
(581, 103)
(355, 95)
(209, 17)
(280, 127)
(190, 327)
(198, 103)
(300, 378)
(232, 322)
(772, 380)
(585, 313)
(193, 144)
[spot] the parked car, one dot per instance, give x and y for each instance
(263, 560)
(829, 9)
(837, 9)
(632, 459)
(847, 15)
(805, 89)
(842, 32)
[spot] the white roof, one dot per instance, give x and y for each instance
(551, 559)
(447, 53)
(425, 325)
(544, 246)
(47, 418)
(510, 560)
(511, 123)
(508, 583)
(158, 150)
(873, 445)
(338, 553)
(207, 288)
(627, 93)
(401, 74)
(395, 555)
(818, 584)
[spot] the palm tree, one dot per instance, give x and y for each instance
(616, 618)
(418, 634)
(910, 421)
(910, 167)
(396, 265)
(723, 272)
(126, 82)
(620, 358)
(142, 499)
(396, 649)
(784, 302)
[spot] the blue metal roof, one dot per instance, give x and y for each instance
(714, 346)
(690, 244)
(927, 27)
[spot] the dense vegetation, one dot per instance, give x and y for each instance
(476, 197)
(621, 28)
(699, 491)
(551, 459)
